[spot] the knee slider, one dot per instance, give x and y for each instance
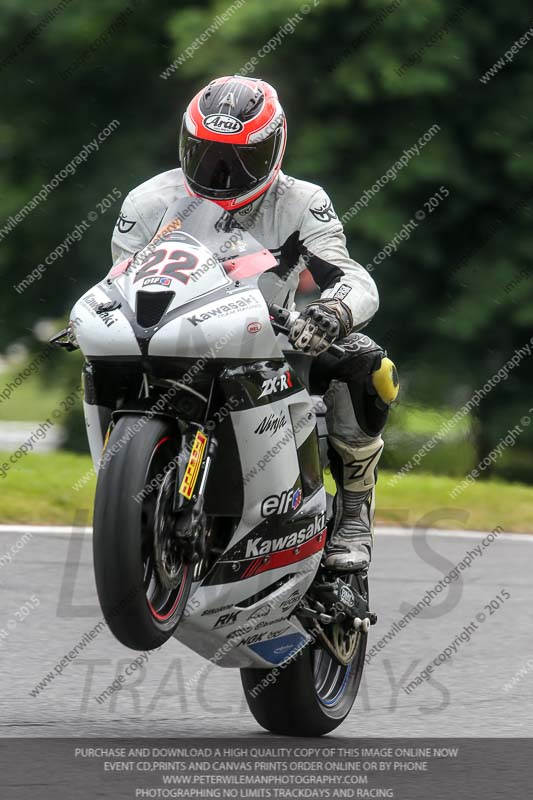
(385, 381)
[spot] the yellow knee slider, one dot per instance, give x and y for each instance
(385, 381)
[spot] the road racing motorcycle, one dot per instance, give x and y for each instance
(211, 513)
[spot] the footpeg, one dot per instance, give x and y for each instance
(362, 625)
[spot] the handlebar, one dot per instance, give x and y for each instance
(280, 318)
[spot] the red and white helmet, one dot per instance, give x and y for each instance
(232, 141)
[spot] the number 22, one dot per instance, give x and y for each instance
(173, 264)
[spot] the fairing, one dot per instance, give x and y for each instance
(203, 274)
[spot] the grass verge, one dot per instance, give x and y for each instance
(39, 490)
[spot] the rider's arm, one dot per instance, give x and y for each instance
(323, 248)
(131, 232)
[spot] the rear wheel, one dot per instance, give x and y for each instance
(142, 579)
(314, 693)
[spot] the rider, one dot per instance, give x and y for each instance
(231, 146)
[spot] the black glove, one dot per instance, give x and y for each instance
(319, 325)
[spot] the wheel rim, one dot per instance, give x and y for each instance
(336, 684)
(331, 678)
(161, 601)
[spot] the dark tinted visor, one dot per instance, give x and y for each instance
(223, 171)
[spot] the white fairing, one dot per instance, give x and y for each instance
(219, 318)
(236, 326)
(214, 625)
(212, 317)
(96, 422)
(102, 335)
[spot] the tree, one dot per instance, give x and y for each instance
(362, 84)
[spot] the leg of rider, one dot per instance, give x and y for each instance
(363, 384)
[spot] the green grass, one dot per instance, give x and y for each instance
(409, 428)
(31, 400)
(419, 420)
(483, 505)
(39, 489)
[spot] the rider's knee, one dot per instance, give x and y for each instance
(385, 381)
(370, 365)
(373, 396)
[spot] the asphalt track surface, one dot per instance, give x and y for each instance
(464, 696)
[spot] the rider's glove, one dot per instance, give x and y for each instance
(319, 325)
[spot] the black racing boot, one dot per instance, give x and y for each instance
(349, 548)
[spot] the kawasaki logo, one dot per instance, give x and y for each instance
(225, 310)
(260, 546)
(223, 123)
(94, 304)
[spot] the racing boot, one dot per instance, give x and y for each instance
(349, 548)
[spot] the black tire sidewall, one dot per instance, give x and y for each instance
(117, 533)
(290, 705)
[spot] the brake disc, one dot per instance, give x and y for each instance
(343, 643)
(168, 558)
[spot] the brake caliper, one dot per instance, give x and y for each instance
(339, 612)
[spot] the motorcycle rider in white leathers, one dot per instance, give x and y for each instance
(231, 147)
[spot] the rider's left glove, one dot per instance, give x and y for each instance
(319, 325)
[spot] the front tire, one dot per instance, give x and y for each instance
(141, 611)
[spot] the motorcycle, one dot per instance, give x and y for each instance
(211, 513)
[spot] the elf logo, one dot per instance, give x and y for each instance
(277, 384)
(281, 503)
(223, 123)
(261, 547)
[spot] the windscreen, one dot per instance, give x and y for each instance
(197, 249)
(241, 254)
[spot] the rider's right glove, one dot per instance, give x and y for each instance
(319, 325)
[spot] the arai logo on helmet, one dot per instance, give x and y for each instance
(223, 123)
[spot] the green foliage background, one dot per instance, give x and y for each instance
(448, 316)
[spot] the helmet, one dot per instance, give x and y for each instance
(232, 141)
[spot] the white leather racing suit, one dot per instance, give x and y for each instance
(296, 221)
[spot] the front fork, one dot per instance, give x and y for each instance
(190, 480)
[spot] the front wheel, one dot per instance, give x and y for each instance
(312, 694)
(143, 583)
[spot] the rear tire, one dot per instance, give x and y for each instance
(310, 696)
(140, 611)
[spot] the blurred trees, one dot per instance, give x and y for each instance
(361, 82)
